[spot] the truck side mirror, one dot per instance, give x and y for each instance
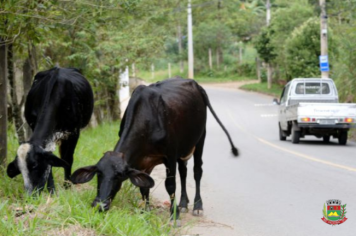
(275, 101)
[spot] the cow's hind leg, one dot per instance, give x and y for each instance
(67, 150)
(183, 204)
(198, 172)
(170, 184)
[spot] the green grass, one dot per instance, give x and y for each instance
(276, 90)
(68, 212)
(160, 75)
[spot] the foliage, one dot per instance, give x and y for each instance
(205, 37)
(264, 46)
(303, 49)
(271, 41)
(344, 71)
(98, 37)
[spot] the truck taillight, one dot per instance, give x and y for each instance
(349, 120)
(306, 119)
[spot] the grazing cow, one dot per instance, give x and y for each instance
(58, 105)
(163, 123)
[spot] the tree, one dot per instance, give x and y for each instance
(303, 49)
(3, 102)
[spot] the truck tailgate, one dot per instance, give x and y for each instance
(327, 110)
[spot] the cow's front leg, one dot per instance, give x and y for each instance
(50, 183)
(171, 189)
(67, 151)
(145, 192)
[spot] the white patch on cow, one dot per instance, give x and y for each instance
(22, 153)
(189, 155)
(50, 146)
(52, 141)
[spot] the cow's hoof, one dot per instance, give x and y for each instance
(67, 184)
(175, 223)
(198, 213)
(183, 209)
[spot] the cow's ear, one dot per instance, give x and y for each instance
(55, 161)
(140, 179)
(83, 175)
(13, 169)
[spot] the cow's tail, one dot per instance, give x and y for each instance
(207, 102)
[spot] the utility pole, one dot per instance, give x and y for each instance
(268, 11)
(190, 43)
(268, 65)
(180, 48)
(323, 35)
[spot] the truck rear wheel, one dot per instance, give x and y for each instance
(326, 138)
(282, 135)
(295, 135)
(343, 137)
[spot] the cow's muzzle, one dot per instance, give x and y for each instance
(101, 205)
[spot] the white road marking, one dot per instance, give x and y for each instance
(265, 105)
(269, 115)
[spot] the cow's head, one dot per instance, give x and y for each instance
(111, 170)
(34, 163)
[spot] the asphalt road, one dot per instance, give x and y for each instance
(274, 187)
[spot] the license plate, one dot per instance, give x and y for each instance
(327, 122)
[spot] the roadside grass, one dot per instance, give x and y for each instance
(219, 77)
(68, 212)
(275, 91)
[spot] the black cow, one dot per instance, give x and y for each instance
(58, 105)
(163, 123)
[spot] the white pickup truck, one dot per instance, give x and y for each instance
(310, 106)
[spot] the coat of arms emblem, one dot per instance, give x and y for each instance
(334, 213)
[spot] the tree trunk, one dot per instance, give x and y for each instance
(240, 53)
(258, 70)
(210, 60)
(16, 107)
(32, 54)
(98, 107)
(3, 103)
(269, 75)
(217, 60)
(27, 81)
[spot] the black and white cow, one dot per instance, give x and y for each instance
(58, 105)
(163, 123)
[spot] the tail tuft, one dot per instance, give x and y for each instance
(235, 151)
